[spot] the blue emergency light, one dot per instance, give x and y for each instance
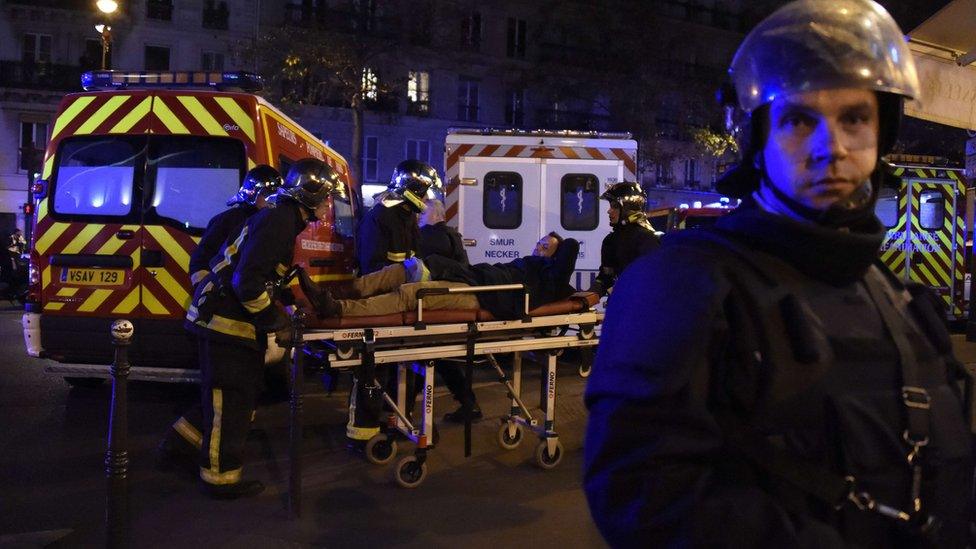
(228, 81)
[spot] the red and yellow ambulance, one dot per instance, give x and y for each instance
(136, 167)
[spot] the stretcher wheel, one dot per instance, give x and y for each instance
(380, 450)
(409, 473)
(543, 458)
(584, 370)
(510, 442)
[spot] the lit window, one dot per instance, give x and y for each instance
(886, 207)
(95, 175)
(932, 214)
(370, 84)
(418, 92)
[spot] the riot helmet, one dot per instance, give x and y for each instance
(309, 182)
(261, 180)
(411, 183)
(814, 45)
(630, 198)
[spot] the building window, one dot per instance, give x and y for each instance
(467, 99)
(471, 32)
(516, 38)
(418, 92)
(370, 85)
(212, 61)
(366, 14)
(515, 108)
(159, 9)
(664, 173)
(157, 58)
(502, 205)
(370, 159)
(37, 48)
(691, 172)
(215, 15)
(418, 149)
(92, 58)
(579, 202)
(33, 139)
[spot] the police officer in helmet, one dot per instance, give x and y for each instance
(767, 381)
(234, 308)
(631, 235)
(259, 183)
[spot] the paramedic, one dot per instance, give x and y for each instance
(631, 235)
(259, 183)
(437, 238)
(233, 309)
(788, 390)
(388, 233)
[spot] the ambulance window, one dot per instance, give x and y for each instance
(95, 175)
(932, 210)
(345, 223)
(887, 207)
(579, 202)
(502, 200)
(192, 177)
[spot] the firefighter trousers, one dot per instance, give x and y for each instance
(230, 377)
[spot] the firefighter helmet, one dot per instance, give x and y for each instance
(310, 181)
(811, 45)
(261, 180)
(412, 182)
(630, 198)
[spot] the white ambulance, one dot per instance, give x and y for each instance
(507, 188)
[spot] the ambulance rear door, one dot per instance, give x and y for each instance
(937, 240)
(499, 214)
(571, 202)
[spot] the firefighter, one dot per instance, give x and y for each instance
(259, 183)
(388, 232)
(232, 311)
(767, 381)
(631, 237)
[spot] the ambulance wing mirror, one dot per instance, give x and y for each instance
(39, 189)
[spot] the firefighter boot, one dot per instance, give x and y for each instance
(457, 416)
(176, 456)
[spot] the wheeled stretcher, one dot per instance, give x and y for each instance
(416, 340)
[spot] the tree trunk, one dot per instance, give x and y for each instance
(356, 162)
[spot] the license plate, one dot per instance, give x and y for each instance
(93, 277)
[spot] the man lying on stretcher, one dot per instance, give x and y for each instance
(393, 289)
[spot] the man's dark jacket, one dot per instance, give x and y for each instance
(443, 240)
(620, 248)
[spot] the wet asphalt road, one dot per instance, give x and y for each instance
(52, 484)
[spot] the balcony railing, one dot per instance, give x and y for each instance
(341, 20)
(572, 120)
(18, 74)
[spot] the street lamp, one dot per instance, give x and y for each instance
(107, 7)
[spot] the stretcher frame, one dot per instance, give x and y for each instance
(416, 347)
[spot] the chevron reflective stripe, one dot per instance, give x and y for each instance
(111, 106)
(166, 116)
(200, 113)
(69, 113)
(135, 115)
(237, 114)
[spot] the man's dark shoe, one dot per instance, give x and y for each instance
(320, 297)
(171, 459)
(242, 489)
(457, 416)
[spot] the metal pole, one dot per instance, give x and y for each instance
(295, 420)
(117, 455)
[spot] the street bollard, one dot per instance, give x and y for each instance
(295, 419)
(117, 455)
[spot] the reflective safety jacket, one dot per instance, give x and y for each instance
(387, 235)
(220, 227)
(726, 374)
(232, 302)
